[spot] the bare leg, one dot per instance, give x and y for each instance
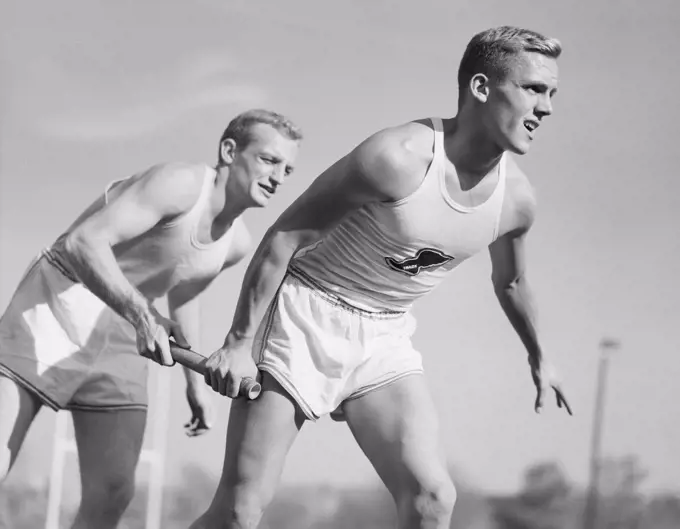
(109, 444)
(259, 436)
(18, 408)
(397, 429)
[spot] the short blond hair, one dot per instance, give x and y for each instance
(239, 127)
(493, 51)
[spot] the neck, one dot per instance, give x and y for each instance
(227, 199)
(469, 147)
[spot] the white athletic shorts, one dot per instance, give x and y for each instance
(324, 351)
(64, 345)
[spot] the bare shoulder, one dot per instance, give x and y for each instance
(174, 179)
(519, 209)
(172, 187)
(385, 167)
(395, 159)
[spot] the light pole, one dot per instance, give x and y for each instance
(607, 346)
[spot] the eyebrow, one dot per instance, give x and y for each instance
(542, 85)
(270, 154)
(276, 158)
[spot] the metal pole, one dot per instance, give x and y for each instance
(155, 499)
(590, 511)
(59, 450)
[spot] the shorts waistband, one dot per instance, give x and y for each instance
(337, 301)
(55, 261)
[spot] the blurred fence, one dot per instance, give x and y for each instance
(547, 501)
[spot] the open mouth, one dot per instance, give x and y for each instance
(530, 125)
(270, 190)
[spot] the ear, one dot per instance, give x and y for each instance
(479, 87)
(228, 150)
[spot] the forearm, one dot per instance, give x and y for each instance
(262, 279)
(189, 322)
(95, 265)
(518, 304)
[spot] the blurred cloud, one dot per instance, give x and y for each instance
(146, 117)
(113, 102)
(201, 82)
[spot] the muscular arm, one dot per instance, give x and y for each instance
(160, 194)
(512, 288)
(513, 293)
(508, 260)
(365, 175)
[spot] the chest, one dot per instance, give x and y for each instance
(438, 225)
(177, 253)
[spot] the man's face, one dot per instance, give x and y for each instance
(518, 103)
(263, 165)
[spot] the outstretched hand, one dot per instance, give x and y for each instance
(545, 379)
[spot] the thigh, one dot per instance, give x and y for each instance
(109, 444)
(397, 428)
(18, 408)
(259, 436)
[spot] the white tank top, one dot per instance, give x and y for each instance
(385, 255)
(166, 255)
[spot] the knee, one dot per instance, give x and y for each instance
(429, 503)
(436, 502)
(237, 508)
(247, 511)
(110, 495)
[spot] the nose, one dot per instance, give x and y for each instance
(277, 175)
(544, 106)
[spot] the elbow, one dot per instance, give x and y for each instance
(504, 288)
(76, 245)
(502, 293)
(73, 244)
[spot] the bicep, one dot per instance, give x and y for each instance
(508, 259)
(508, 251)
(344, 187)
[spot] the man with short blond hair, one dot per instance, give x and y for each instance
(325, 308)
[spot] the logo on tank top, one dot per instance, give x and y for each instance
(423, 260)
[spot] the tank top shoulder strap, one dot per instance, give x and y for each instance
(193, 215)
(502, 177)
(110, 186)
(438, 126)
(497, 199)
(435, 172)
(432, 175)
